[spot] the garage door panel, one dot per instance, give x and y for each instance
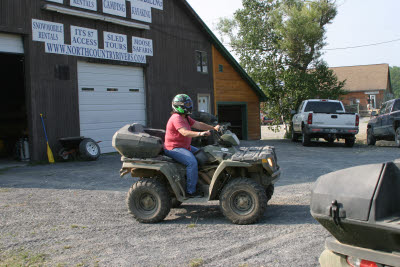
(108, 79)
(125, 107)
(109, 125)
(93, 97)
(106, 116)
(103, 112)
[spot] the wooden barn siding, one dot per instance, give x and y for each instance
(176, 36)
(229, 86)
(171, 70)
(13, 16)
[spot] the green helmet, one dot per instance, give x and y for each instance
(182, 104)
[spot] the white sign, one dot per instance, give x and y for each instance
(48, 32)
(115, 7)
(372, 93)
(56, 1)
(72, 50)
(140, 11)
(153, 3)
(84, 37)
(115, 42)
(142, 46)
(86, 4)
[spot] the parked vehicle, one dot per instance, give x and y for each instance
(326, 119)
(386, 124)
(359, 207)
(241, 178)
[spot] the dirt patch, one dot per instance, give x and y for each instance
(74, 214)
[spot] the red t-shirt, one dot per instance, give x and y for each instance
(173, 138)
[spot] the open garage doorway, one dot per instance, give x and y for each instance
(236, 114)
(13, 112)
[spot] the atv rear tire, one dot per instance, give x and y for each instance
(243, 201)
(148, 201)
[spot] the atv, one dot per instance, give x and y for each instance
(241, 178)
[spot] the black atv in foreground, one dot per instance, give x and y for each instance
(360, 207)
(241, 178)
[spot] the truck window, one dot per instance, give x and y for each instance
(301, 107)
(383, 109)
(324, 107)
(396, 106)
(389, 107)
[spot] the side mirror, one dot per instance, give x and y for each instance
(374, 113)
(293, 112)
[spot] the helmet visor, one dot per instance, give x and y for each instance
(188, 104)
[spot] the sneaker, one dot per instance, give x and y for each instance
(196, 194)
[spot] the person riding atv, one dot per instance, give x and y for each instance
(178, 138)
(241, 178)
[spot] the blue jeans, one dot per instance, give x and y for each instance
(186, 157)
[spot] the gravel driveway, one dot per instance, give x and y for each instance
(74, 214)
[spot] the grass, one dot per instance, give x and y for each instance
(5, 190)
(196, 262)
(22, 258)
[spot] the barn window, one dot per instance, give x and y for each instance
(221, 68)
(201, 61)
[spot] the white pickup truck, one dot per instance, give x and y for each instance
(326, 119)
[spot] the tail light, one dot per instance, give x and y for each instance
(309, 120)
(357, 120)
(354, 262)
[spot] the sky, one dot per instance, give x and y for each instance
(358, 23)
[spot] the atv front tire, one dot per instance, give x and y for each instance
(148, 201)
(243, 201)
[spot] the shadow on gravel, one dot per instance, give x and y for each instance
(212, 215)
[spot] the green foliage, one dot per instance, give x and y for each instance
(279, 43)
(395, 79)
(22, 257)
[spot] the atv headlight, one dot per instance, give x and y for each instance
(269, 161)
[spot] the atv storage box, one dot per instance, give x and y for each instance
(135, 141)
(360, 206)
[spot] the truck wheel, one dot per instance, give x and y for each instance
(349, 142)
(295, 136)
(89, 149)
(397, 137)
(148, 201)
(270, 191)
(370, 137)
(243, 201)
(305, 139)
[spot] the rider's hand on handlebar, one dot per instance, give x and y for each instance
(217, 127)
(206, 133)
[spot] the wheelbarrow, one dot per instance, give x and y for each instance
(79, 146)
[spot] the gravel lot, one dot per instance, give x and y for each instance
(74, 214)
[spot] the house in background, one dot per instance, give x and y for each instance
(366, 84)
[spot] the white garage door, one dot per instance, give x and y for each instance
(109, 97)
(11, 43)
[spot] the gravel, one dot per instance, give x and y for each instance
(74, 214)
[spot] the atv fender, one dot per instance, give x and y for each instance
(213, 190)
(169, 170)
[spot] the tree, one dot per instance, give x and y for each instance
(279, 43)
(395, 79)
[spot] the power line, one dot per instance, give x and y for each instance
(358, 46)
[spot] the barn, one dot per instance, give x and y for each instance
(90, 67)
